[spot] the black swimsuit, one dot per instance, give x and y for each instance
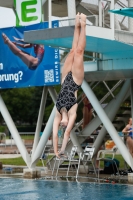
(66, 97)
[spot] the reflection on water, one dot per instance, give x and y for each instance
(14, 189)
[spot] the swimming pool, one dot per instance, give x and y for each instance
(14, 189)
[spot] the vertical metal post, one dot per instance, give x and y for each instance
(107, 123)
(130, 20)
(131, 84)
(100, 13)
(75, 141)
(71, 7)
(53, 94)
(44, 138)
(45, 11)
(112, 21)
(40, 119)
(117, 25)
(47, 131)
(96, 20)
(14, 132)
(50, 13)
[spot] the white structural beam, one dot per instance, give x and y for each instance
(130, 20)
(50, 13)
(111, 110)
(43, 2)
(112, 21)
(115, 105)
(43, 140)
(71, 7)
(53, 94)
(95, 122)
(100, 13)
(107, 123)
(131, 91)
(75, 140)
(40, 119)
(47, 131)
(14, 132)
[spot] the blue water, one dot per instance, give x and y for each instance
(19, 189)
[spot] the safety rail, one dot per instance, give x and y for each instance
(72, 19)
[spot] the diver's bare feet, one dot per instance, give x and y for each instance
(77, 20)
(82, 19)
(6, 39)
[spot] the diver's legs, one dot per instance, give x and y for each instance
(78, 67)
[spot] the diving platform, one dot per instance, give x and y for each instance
(123, 11)
(114, 47)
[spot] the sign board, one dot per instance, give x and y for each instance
(28, 12)
(27, 65)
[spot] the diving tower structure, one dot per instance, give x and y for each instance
(115, 62)
(112, 59)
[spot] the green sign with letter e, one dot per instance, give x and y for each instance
(28, 12)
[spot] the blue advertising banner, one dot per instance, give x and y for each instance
(27, 65)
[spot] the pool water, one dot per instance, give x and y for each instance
(20, 189)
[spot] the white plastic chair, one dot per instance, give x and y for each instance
(2, 139)
(86, 158)
(70, 158)
(101, 156)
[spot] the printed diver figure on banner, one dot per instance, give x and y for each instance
(72, 77)
(31, 61)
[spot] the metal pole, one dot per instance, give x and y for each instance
(40, 119)
(131, 83)
(75, 141)
(117, 25)
(94, 123)
(45, 11)
(44, 138)
(108, 89)
(115, 106)
(130, 20)
(14, 132)
(112, 25)
(47, 131)
(53, 94)
(43, 2)
(50, 13)
(71, 7)
(100, 13)
(107, 123)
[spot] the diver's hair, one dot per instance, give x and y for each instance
(129, 119)
(63, 109)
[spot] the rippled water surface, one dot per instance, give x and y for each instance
(14, 189)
